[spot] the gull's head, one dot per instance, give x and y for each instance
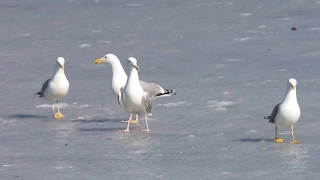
(292, 83)
(108, 58)
(133, 62)
(60, 62)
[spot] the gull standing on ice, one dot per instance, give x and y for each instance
(286, 113)
(55, 88)
(119, 80)
(132, 97)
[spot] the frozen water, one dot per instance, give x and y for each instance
(228, 61)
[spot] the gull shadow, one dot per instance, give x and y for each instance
(99, 129)
(254, 140)
(98, 120)
(27, 116)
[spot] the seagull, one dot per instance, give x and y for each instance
(286, 113)
(119, 80)
(55, 88)
(133, 97)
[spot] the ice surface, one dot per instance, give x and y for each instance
(85, 45)
(220, 105)
(227, 60)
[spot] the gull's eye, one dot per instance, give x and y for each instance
(106, 57)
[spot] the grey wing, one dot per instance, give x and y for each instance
(152, 88)
(120, 99)
(43, 88)
(146, 103)
(274, 113)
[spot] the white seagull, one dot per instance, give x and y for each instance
(55, 88)
(119, 80)
(132, 97)
(286, 113)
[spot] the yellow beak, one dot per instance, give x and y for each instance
(135, 66)
(98, 61)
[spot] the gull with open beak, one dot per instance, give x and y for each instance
(286, 113)
(56, 87)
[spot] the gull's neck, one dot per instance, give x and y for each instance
(291, 95)
(117, 71)
(133, 79)
(58, 72)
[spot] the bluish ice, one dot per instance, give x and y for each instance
(229, 62)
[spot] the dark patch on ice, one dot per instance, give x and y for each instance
(6, 6)
(293, 28)
(99, 120)
(27, 116)
(100, 129)
(254, 140)
(10, 176)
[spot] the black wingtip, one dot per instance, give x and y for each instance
(167, 92)
(268, 117)
(38, 94)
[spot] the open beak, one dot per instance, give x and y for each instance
(136, 66)
(98, 61)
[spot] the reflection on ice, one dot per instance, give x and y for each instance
(295, 156)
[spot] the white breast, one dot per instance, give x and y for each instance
(57, 88)
(288, 114)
